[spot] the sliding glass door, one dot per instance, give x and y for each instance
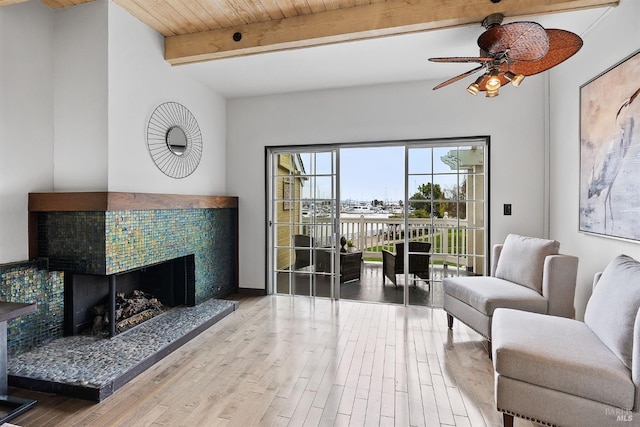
(302, 222)
(447, 210)
(377, 208)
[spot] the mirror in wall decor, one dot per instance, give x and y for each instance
(174, 140)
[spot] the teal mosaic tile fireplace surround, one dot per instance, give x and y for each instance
(107, 233)
(106, 243)
(29, 282)
(110, 233)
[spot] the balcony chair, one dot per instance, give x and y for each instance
(393, 264)
(527, 274)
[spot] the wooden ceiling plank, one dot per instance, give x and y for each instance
(257, 10)
(151, 12)
(332, 4)
(274, 8)
(148, 18)
(188, 10)
(175, 13)
(302, 7)
(10, 2)
(206, 15)
(287, 7)
(226, 17)
(245, 10)
(372, 20)
(228, 9)
(165, 12)
(317, 6)
(271, 8)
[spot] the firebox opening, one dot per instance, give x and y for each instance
(170, 283)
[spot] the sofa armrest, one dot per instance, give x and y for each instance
(497, 250)
(635, 361)
(559, 284)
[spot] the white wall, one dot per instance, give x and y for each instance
(139, 80)
(26, 118)
(515, 121)
(80, 97)
(614, 38)
(78, 87)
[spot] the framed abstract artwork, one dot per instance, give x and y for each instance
(610, 152)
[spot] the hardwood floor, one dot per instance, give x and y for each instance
(297, 361)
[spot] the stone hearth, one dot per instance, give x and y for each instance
(94, 368)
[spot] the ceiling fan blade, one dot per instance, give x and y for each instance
(562, 45)
(462, 59)
(458, 77)
(524, 41)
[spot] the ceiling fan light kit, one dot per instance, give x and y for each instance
(474, 88)
(515, 79)
(511, 52)
(493, 82)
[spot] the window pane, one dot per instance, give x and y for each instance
(324, 164)
(446, 160)
(420, 160)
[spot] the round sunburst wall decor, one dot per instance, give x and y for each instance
(174, 140)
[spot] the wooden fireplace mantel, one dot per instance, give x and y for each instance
(118, 201)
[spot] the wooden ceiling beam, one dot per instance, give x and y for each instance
(10, 2)
(60, 4)
(54, 4)
(355, 23)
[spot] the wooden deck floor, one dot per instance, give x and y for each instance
(299, 361)
(372, 286)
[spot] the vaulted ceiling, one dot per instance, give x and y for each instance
(199, 31)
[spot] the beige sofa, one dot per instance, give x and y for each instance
(527, 274)
(566, 372)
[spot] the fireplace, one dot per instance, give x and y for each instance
(86, 247)
(101, 241)
(171, 282)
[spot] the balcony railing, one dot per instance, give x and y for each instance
(452, 242)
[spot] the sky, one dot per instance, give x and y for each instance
(369, 173)
(372, 173)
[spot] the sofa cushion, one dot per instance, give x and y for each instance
(485, 294)
(612, 308)
(522, 260)
(559, 354)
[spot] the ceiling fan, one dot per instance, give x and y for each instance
(510, 52)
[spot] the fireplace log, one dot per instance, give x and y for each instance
(134, 320)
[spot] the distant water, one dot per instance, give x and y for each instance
(373, 215)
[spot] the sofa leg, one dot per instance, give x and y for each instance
(449, 321)
(507, 420)
(489, 349)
